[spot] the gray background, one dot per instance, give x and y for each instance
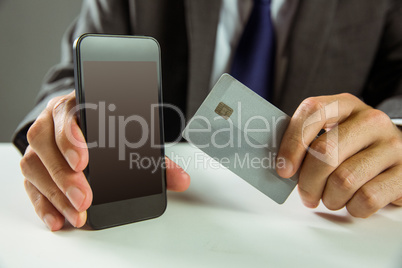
(30, 36)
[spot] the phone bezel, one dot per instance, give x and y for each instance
(100, 47)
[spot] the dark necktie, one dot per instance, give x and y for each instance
(253, 62)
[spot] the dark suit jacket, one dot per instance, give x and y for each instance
(334, 46)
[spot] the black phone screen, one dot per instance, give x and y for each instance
(122, 129)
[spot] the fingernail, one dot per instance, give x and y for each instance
(71, 216)
(49, 220)
(308, 204)
(76, 197)
(72, 158)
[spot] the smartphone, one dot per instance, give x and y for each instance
(119, 97)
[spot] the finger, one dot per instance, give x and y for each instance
(377, 193)
(352, 174)
(45, 210)
(176, 178)
(72, 184)
(397, 202)
(311, 116)
(331, 149)
(38, 177)
(68, 135)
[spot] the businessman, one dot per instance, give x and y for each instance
(347, 52)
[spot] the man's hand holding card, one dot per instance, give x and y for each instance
(353, 164)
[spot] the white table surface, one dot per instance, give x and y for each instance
(220, 221)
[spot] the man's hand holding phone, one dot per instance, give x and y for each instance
(53, 167)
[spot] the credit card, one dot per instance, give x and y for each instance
(243, 132)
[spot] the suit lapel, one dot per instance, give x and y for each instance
(202, 21)
(306, 43)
